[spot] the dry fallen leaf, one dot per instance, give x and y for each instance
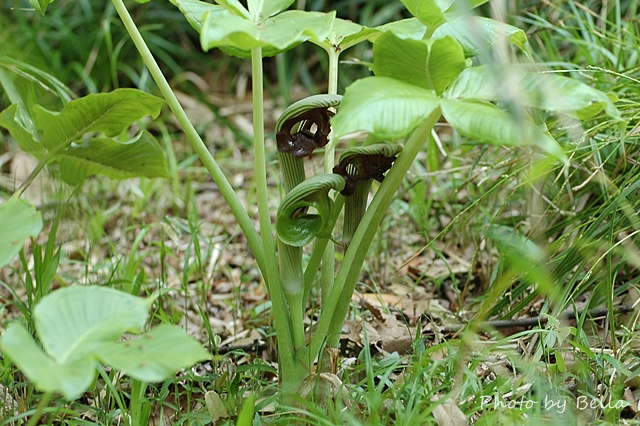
(448, 413)
(215, 406)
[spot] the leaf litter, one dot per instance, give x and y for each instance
(413, 288)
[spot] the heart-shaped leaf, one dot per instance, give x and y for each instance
(155, 355)
(141, 157)
(73, 321)
(109, 113)
(71, 378)
(487, 124)
(78, 326)
(383, 106)
(430, 64)
(20, 220)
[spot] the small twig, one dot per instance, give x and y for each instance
(256, 346)
(540, 320)
(519, 322)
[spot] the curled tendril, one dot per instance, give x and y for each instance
(295, 226)
(365, 162)
(306, 114)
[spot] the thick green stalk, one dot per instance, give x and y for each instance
(260, 163)
(335, 309)
(292, 171)
(194, 138)
(290, 370)
(354, 208)
(291, 278)
(328, 260)
(290, 258)
(138, 389)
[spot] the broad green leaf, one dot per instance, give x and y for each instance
(69, 378)
(156, 355)
(235, 7)
(284, 31)
(72, 322)
(345, 34)
(79, 325)
(383, 106)
(141, 157)
(40, 5)
(434, 13)
(546, 91)
(402, 59)
(405, 28)
(294, 225)
(20, 220)
(427, 11)
(109, 113)
(263, 9)
(24, 83)
(9, 120)
(456, 8)
(477, 34)
(195, 11)
(485, 123)
(430, 64)
(446, 62)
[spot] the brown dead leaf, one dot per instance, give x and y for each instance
(383, 300)
(635, 404)
(384, 332)
(448, 413)
(215, 407)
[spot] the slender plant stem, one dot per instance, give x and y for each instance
(334, 57)
(328, 259)
(194, 138)
(335, 310)
(46, 398)
(291, 279)
(34, 173)
(282, 321)
(259, 152)
(290, 258)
